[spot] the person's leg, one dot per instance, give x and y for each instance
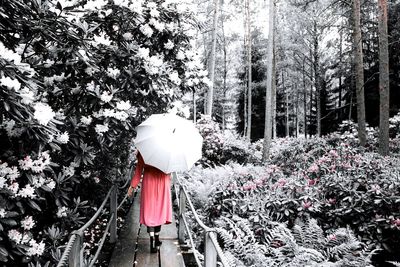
(157, 230)
(150, 230)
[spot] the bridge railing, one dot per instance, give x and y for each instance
(73, 253)
(212, 250)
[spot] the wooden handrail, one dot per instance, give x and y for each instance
(73, 253)
(212, 250)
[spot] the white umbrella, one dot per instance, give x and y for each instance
(168, 142)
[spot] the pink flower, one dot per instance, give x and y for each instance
(312, 182)
(259, 182)
(307, 205)
(396, 222)
(332, 237)
(249, 186)
(313, 168)
(281, 182)
(333, 153)
(331, 200)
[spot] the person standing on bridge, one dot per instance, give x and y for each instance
(167, 143)
(155, 199)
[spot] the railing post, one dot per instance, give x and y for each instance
(76, 258)
(182, 208)
(210, 253)
(113, 210)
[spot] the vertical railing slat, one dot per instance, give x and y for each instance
(113, 210)
(75, 258)
(210, 253)
(182, 209)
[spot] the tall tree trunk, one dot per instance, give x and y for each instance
(273, 97)
(297, 111)
(245, 74)
(311, 93)
(194, 107)
(340, 111)
(224, 101)
(210, 94)
(359, 65)
(268, 94)
(383, 79)
(286, 104)
(249, 90)
(305, 98)
(317, 76)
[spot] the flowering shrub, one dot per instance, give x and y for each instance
(323, 178)
(76, 77)
(212, 140)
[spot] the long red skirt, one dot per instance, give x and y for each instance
(155, 200)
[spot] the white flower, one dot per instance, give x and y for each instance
(25, 239)
(196, 81)
(100, 129)
(9, 55)
(127, 36)
(151, 5)
(69, 171)
(43, 113)
(154, 64)
(108, 112)
(189, 82)
(2, 212)
(121, 115)
(13, 173)
(102, 39)
(113, 72)
(123, 105)
(37, 181)
(50, 184)
(90, 71)
(14, 188)
(157, 24)
(154, 13)
(146, 30)
(137, 6)
(203, 73)
(207, 81)
(96, 180)
(27, 96)
(86, 120)
(106, 96)
(169, 45)
(27, 192)
(36, 248)
(2, 182)
(63, 138)
(27, 223)
(60, 115)
(62, 212)
(180, 55)
(171, 26)
(15, 236)
(86, 174)
(143, 53)
(10, 83)
(174, 77)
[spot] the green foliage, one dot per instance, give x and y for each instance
(75, 80)
(337, 184)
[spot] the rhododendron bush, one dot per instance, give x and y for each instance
(76, 77)
(337, 184)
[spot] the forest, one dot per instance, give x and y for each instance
(297, 101)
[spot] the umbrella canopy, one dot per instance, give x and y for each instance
(169, 142)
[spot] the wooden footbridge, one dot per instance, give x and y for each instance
(132, 248)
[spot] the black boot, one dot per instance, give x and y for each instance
(152, 245)
(157, 241)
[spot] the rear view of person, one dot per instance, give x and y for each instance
(155, 199)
